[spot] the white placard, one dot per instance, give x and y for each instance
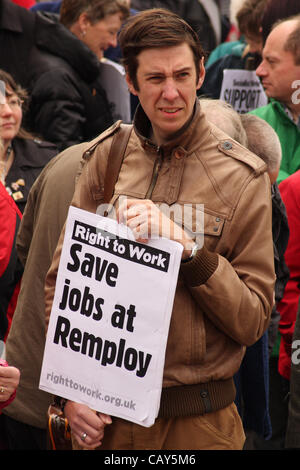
(2, 92)
(114, 83)
(110, 318)
(242, 90)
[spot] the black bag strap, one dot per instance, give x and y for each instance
(115, 159)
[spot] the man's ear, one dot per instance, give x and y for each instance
(201, 74)
(131, 88)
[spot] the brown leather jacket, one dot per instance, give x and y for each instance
(225, 294)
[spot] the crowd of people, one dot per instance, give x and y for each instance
(231, 371)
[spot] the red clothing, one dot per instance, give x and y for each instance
(25, 3)
(10, 272)
(290, 193)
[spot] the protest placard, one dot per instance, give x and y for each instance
(110, 318)
(242, 90)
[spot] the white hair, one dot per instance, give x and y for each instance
(223, 116)
(263, 140)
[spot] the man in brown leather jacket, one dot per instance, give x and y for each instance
(225, 287)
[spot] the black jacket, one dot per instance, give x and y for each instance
(280, 231)
(30, 157)
(68, 103)
(17, 29)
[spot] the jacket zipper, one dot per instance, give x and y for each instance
(156, 170)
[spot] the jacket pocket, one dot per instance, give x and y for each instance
(202, 226)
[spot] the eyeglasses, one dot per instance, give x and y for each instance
(13, 102)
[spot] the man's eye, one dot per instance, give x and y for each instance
(183, 75)
(155, 78)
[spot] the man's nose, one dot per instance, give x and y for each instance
(170, 91)
(261, 71)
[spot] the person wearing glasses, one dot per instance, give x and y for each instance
(22, 156)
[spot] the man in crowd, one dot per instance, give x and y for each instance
(225, 288)
(280, 73)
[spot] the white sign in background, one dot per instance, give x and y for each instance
(243, 90)
(114, 83)
(110, 318)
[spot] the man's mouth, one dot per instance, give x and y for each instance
(170, 110)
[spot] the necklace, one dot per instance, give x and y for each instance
(3, 165)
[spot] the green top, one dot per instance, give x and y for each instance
(288, 133)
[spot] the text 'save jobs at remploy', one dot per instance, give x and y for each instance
(110, 318)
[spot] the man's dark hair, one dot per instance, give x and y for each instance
(156, 28)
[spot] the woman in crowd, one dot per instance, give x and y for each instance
(68, 102)
(21, 160)
(22, 157)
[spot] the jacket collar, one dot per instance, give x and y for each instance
(186, 138)
(30, 152)
(284, 112)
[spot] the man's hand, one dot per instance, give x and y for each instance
(9, 381)
(86, 425)
(147, 221)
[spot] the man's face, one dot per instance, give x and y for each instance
(167, 85)
(278, 70)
